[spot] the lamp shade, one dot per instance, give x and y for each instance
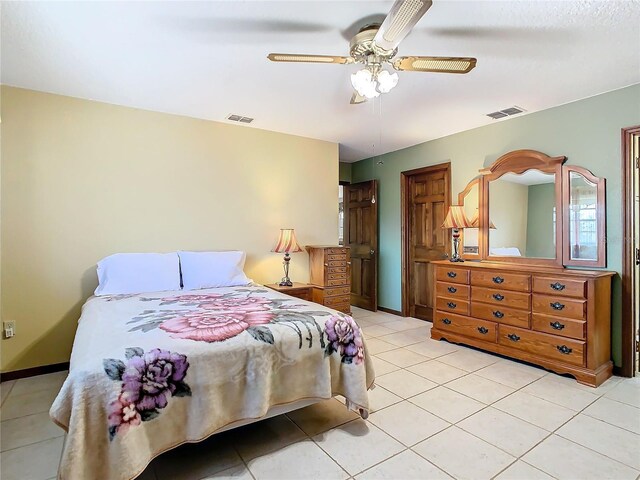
(475, 221)
(287, 242)
(456, 218)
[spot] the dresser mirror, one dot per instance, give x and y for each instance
(469, 198)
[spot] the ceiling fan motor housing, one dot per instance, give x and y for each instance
(362, 47)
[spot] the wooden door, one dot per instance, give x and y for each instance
(426, 196)
(361, 235)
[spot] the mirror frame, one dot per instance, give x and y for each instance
(601, 217)
(518, 162)
(477, 181)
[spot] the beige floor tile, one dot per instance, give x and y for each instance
(571, 382)
(616, 413)
(447, 404)
(462, 455)
(561, 458)
(407, 465)
(408, 423)
(300, 460)
(407, 323)
(50, 381)
(614, 442)
(479, 388)
(627, 391)
(509, 433)
(402, 339)
(434, 348)
(382, 366)
(424, 332)
(402, 357)
(535, 410)
(375, 345)
(567, 396)
(469, 360)
(366, 321)
(380, 398)
(371, 331)
(511, 374)
(27, 404)
(266, 436)
(523, 471)
(197, 460)
(358, 445)
(22, 431)
(5, 388)
(239, 472)
(437, 371)
(360, 312)
(404, 383)
(322, 416)
(32, 462)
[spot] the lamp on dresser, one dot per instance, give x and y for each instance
(456, 219)
(286, 244)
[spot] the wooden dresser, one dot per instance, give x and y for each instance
(330, 276)
(557, 318)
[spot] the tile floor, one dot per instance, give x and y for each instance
(439, 411)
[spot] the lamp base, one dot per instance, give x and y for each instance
(459, 259)
(286, 282)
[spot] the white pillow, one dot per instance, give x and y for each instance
(138, 273)
(212, 269)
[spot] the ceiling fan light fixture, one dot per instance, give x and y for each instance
(364, 83)
(386, 81)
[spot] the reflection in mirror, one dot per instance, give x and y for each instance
(523, 211)
(582, 218)
(470, 235)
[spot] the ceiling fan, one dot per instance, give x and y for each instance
(376, 45)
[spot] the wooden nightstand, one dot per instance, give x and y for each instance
(298, 290)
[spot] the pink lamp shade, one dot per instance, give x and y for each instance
(456, 218)
(287, 242)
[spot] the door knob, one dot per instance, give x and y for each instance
(372, 252)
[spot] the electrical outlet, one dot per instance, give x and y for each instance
(9, 329)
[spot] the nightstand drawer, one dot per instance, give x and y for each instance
(342, 257)
(337, 282)
(335, 276)
(332, 292)
(337, 263)
(332, 301)
(339, 251)
(342, 269)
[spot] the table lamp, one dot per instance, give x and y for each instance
(456, 219)
(286, 244)
(475, 221)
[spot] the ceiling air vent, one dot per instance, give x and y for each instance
(506, 112)
(239, 118)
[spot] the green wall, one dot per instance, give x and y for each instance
(345, 172)
(540, 229)
(586, 131)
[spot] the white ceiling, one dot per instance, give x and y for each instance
(208, 59)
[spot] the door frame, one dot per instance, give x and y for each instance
(404, 218)
(628, 255)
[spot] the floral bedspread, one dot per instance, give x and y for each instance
(150, 372)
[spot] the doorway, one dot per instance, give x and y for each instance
(630, 250)
(361, 235)
(426, 197)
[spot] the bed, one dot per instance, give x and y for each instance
(152, 371)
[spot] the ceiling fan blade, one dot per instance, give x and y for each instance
(403, 16)
(303, 58)
(356, 99)
(435, 64)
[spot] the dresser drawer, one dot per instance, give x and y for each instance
(342, 307)
(559, 306)
(467, 326)
(550, 346)
(559, 286)
(508, 281)
(501, 297)
(506, 315)
(336, 263)
(565, 327)
(452, 305)
(335, 276)
(331, 301)
(452, 275)
(341, 256)
(452, 290)
(332, 292)
(337, 282)
(339, 251)
(341, 269)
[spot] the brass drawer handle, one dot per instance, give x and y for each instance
(452, 289)
(498, 297)
(483, 330)
(452, 274)
(558, 287)
(498, 279)
(556, 325)
(446, 321)
(556, 305)
(498, 314)
(451, 305)
(564, 349)
(513, 337)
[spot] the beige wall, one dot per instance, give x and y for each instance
(82, 180)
